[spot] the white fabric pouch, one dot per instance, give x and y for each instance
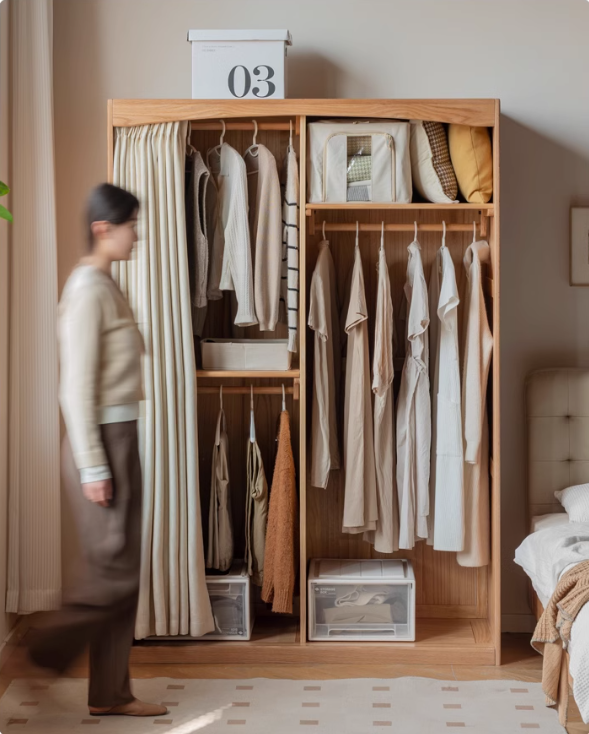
(359, 161)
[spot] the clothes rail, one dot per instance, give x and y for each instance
(241, 126)
(397, 227)
(294, 391)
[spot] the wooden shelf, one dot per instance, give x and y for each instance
(358, 205)
(249, 374)
(276, 640)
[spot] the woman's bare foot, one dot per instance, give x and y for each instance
(133, 708)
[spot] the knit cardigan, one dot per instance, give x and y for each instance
(279, 562)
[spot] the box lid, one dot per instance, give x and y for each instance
(365, 570)
(240, 35)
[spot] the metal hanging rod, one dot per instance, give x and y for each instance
(331, 227)
(294, 391)
(249, 126)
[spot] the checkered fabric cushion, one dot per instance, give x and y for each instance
(359, 168)
(359, 145)
(438, 141)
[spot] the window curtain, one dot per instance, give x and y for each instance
(173, 599)
(34, 526)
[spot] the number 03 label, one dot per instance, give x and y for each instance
(240, 81)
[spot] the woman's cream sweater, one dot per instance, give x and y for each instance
(100, 350)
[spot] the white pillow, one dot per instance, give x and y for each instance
(575, 501)
(431, 167)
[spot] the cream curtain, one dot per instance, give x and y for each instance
(173, 600)
(34, 528)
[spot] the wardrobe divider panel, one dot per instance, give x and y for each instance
(458, 608)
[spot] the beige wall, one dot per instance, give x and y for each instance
(6, 620)
(532, 54)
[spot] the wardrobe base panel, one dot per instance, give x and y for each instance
(448, 641)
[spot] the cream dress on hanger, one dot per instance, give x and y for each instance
(324, 320)
(360, 503)
(478, 347)
(447, 498)
(386, 536)
(414, 411)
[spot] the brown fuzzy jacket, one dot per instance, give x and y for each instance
(279, 562)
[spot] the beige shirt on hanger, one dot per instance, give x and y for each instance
(265, 220)
(256, 511)
(324, 320)
(446, 482)
(360, 503)
(231, 262)
(478, 348)
(220, 548)
(414, 411)
(386, 536)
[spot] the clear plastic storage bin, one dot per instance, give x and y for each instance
(370, 600)
(231, 602)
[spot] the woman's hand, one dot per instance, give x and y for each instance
(99, 492)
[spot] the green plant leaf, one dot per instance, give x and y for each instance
(4, 189)
(5, 214)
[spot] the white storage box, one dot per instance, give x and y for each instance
(361, 600)
(245, 354)
(359, 161)
(231, 602)
(239, 64)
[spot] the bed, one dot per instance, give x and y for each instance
(557, 424)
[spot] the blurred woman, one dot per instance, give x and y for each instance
(100, 392)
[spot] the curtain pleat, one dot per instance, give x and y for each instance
(173, 599)
(34, 527)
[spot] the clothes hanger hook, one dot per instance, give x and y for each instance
(382, 236)
(415, 233)
(283, 398)
(251, 397)
(255, 131)
(443, 233)
(323, 229)
(357, 231)
(474, 231)
(223, 133)
(221, 396)
(290, 136)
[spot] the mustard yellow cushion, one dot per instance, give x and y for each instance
(472, 158)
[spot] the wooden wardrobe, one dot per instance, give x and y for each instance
(458, 609)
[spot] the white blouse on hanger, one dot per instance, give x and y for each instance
(414, 411)
(386, 536)
(231, 264)
(324, 320)
(478, 347)
(360, 503)
(446, 482)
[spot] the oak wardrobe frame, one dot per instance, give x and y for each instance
(458, 609)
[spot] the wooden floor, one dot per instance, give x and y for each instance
(520, 662)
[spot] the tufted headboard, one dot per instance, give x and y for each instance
(557, 421)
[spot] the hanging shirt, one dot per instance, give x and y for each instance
(447, 452)
(478, 347)
(414, 411)
(360, 503)
(386, 536)
(324, 320)
(256, 513)
(290, 248)
(265, 219)
(220, 548)
(231, 262)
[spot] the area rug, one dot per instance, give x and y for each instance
(267, 706)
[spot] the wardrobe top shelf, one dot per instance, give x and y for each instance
(358, 206)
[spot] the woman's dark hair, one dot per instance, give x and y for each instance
(108, 203)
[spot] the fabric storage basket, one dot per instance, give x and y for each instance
(231, 603)
(359, 161)
(245, 354)
(236, 64)
(358, 601)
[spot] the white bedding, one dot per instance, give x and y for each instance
(555, 546)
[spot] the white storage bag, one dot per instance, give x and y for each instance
(359, 161)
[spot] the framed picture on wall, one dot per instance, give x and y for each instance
(579, 245)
